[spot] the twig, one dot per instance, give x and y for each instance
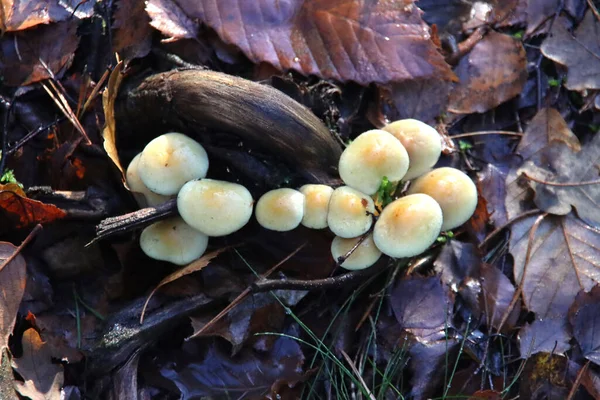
(577, 382)
(17, 251)
(137, 219)
(481, 133)
(339, 281)
(33, 134)
(566, 184)
(242, 295)
(510, 221)
(358, 374)
(7, 110)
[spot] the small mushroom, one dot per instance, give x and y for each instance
(280, 209)
(143, 196)
(216, 208)
(350, 212)
(173, 240)
(422, 143)
(365, 255)
(171, 160)
(453, 190)
(371, 156)
(316, 205)
(408, 226)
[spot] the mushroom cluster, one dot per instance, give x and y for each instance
(406, 150)
(364, 226)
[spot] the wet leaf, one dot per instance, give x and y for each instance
(544, 377)
(42, 378)
(168, 17)
(22, 53)
(22, 14)
(585, 319)
(454, 15)
(421, 305)
(132, 35)
(486, 395)
(550, 335)
(496, 296)
(579, 51)
(547, 128)
(558, 163)
(427, 361)
(539, 12)
(492, 73)
(23, 212)
(109, 133)
(564, 257)
(347, 40)
(250, 374)
(12, 286)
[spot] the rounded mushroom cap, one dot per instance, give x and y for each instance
(422, 143)
(316, 205)
(365, 255)
(280, 209)
(408, 226)
(216, 208)
(143, 196)
(453, 190)
(171, 160)
(173, 240)
(371, 156)
(348, 214)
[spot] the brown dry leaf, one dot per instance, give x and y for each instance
(168, 17)
(492, 73)
(22, 212)
(547, 128)
(580, 52)
(23, 54)
(132, 35)
(109, 133)
(12, 286)
(16, 15)
(42, 378)
(564, 258)
(195, 266)
(347, 40)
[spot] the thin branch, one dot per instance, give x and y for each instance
(339, 281)
(483, 133)
(560, 184)
(18, 250)
(509, 222)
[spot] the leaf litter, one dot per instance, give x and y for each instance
(518, 282)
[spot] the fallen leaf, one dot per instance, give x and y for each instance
(109, 133)
(486, 395)
(585, 319)
(422, 99)
(23, 54)
(7, 386)
(42, 378)
(580, 52)
(422, 306)
(12, 287)
(547, 128)
(23, 212)
(346, 40)
(17, 15)
(492, 73)
(200, 372)
(564, 258)
(455, 15)
(168, 17)
(543, 377)
(194, 266)
(538, 12)
(427, 362)
(550, 335)
(132, 35)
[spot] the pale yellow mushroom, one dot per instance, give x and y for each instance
(365, 255)
(316, 205)
(350, 212)
(143, 196)
(173, 240)
(280, 209)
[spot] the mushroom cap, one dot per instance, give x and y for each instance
(453, 190)
(348, 214)
(365, 255)
(143, 196)
(173, 240)
(216, 208)
(171, 160)
(422, 143)
(371, 156)
(316, 205)
(408, 226)
(280, 209)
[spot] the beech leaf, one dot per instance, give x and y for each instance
(12, 286)
(347, 40)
